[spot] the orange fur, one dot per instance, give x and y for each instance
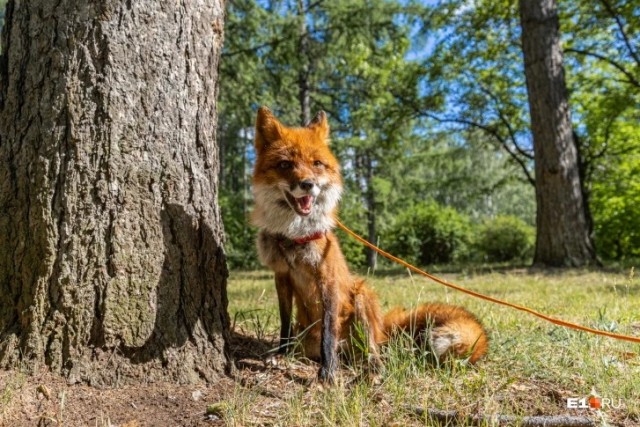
(443, 322)
(297, 185)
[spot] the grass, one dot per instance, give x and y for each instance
(9, 389)
(532, 367)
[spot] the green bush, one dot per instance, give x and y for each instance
(240, 243)
(354, 216)
(429, 233)
(615, 204)
(505, 238)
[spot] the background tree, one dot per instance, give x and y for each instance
(476, 67)
(111, 265)
(562, 230)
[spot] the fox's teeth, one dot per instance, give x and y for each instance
(305, 202)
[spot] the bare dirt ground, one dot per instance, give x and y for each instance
(44, 399)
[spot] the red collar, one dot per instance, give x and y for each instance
(309, 238)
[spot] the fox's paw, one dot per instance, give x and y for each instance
(277, 361)
(327, 376)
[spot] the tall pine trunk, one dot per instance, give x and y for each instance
(111, 264)
(563, 237)
(304, 73)
(370, 197)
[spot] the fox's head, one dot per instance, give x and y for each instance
(296, 179)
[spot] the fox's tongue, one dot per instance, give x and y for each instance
(305, 202)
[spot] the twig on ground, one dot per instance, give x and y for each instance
(452, 418)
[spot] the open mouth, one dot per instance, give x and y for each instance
(302, 205)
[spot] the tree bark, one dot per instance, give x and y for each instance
(304, 86)
(562, 237)
(111, 264)
(370, 197)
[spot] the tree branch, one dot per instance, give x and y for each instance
(493, 133)
(277, 41)
(251, 49)
(631, 78)
(313, 5)
(503, 119)
(421, 112)
(625, 38)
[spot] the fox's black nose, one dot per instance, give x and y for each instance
(306, 185)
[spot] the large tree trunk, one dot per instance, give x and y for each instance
(111, 264)
(563, 237)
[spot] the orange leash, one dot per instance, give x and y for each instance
(553, 320)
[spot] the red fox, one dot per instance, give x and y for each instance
(297, 186)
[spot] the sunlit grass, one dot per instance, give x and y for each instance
(532, 367)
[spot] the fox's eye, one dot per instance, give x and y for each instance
(318, 164)
(285, 164)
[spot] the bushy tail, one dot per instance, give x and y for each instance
(449, 329)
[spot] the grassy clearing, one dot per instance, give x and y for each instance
(532, 368)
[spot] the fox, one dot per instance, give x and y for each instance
(297, 186)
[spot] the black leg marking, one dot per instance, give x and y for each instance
(285, 300)
(328, 350)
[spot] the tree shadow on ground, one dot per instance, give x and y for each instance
(250, 355)
(244, 346)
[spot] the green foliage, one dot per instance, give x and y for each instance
(427, 101)
(352, 58)
(616, 209)
(429, 233)
(604, 75)
(353, 215)
(479, 181)
(505, 238)
(240, 242)
(478, 69)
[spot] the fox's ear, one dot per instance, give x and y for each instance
(321, 125)
(268, 128)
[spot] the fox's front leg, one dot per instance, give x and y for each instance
(285, 300)
(329, 337)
